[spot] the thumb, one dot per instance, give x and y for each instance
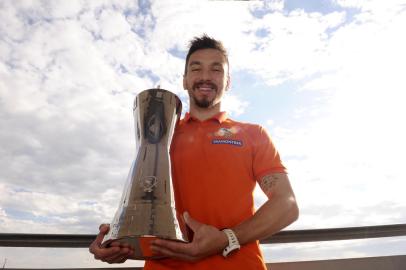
(191, 222)
(96, 244)
(103, 230)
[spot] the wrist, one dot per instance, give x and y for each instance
(224, 240)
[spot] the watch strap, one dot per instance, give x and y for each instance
(233, 243)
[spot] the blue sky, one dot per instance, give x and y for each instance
(326, 78)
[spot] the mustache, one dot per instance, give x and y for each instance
(200, 83)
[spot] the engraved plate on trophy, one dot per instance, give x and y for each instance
(147, 209)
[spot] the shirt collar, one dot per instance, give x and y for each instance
(220, 117)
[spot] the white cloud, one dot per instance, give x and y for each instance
(233, 105)
(374, 6)
(28, 211)
(113, 24)
(275, 5)
(68, 118)
(292, 47)
(62, 9)
(2, 213)
(356, 146)
(270, 122)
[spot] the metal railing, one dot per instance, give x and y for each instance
(288, 236)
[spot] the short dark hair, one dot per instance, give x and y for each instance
(204, 42)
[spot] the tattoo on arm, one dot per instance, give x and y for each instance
(268, 182)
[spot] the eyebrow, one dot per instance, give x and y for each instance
(199, 63)
(194, 63)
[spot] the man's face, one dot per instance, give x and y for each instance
(206, 78)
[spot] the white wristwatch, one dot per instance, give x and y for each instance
(233, 243)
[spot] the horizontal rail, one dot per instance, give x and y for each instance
(288, 236)
(349, 233)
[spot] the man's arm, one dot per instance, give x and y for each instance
(276, 213)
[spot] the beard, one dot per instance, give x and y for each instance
(204, 102)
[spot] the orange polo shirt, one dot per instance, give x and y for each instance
(215, 166)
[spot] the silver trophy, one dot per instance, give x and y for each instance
(147, 209)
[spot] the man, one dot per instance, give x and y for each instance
(216, 163)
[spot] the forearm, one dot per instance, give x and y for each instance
(270, 218)
(275, 214)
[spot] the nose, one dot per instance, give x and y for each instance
(205, 75)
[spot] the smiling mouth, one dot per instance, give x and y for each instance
(205, 87)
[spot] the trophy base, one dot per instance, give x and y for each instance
(141, 246)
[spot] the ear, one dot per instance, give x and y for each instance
(184, 82)
(228, 84)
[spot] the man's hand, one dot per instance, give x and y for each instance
(115, 253)
(207, 241)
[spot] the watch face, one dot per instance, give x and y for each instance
(230, 250)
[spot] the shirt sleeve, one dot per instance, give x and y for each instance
(266, 158)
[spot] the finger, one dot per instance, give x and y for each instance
(123, 260)
(177, 247)
(102, 253)
(191, 222)
(104, 226)
(120, 244)
(162, 251)
(117, 257)
(123, 245)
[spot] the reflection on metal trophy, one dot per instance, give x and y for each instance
(146, 208)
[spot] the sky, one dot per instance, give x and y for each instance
(325, 78)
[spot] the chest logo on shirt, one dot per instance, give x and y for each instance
(227, 141)
(226, 135)
(226, 132)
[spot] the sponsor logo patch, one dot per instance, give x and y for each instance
(227, 141)
(226, 132)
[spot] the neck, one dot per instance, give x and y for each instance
(204, 113)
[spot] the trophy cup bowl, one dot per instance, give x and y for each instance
(147, 209)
